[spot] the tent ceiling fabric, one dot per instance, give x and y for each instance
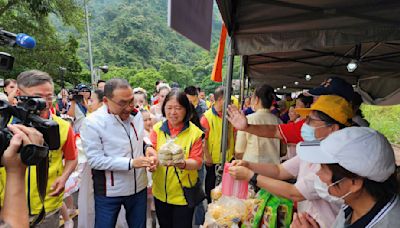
(286, 39)
(264, 26)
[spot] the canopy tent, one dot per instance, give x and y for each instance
(282, 41)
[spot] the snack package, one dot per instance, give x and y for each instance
(226, 212)
(270, 215)
(170, 153)
(285, 213)
(255, 209)
(216, 193)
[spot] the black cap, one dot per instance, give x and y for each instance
(334, 86)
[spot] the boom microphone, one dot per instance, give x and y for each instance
(20, 39)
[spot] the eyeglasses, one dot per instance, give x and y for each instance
(123, 104)
(49, 98)
(310, 119)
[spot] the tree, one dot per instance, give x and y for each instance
(146, 79)
(51, 51)
(176, 73)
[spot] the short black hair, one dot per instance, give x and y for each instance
(266, 94)
(306, 100)
(113, 84)
(191, 90)
(219, 92)
(378, 190)
(182, 100)
(100, 81)
(100, 94)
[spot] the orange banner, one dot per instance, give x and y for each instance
(216, 75)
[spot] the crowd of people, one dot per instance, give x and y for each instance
(135, 160)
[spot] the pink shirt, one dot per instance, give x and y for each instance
(322, 211)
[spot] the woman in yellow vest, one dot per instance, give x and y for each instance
(171, 206)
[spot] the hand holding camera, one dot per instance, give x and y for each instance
(22, 135)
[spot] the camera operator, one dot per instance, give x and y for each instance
(14, 211)
(38, 83)
(79, 105)
(10, 88)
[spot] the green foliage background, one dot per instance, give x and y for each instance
(130, 36)
(133, 39)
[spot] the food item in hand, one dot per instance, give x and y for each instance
(164, 156)
(178, 156)
(170, 153)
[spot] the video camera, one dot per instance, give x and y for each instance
(75, 96)
(27, 113)
(74, 93)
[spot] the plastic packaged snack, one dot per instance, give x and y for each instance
(216, 193)
(270, 215)
(170, 153)
(285, 213)
(255, 211)
(226, 212)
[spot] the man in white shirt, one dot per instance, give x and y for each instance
(113, 140)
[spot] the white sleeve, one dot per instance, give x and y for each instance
(95, 153)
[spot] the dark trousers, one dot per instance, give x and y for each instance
(107, 210)
(210, 181)
(173, 216)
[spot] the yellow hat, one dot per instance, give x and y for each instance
(334, 106)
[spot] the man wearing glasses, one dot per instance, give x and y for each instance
(113, 140)
(40, 84)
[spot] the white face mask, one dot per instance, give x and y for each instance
(323, 191)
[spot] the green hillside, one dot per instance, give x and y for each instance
(132, 37)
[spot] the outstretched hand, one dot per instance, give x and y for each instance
(237, 118)
(303, 220)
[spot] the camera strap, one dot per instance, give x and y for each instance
(42, 173)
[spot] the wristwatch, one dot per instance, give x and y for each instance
(253, 180)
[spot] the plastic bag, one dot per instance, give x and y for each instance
(226, 212)
(232, 187)
(216, 193)
(170, 153)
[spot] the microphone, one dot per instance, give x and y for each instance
(21, 39)
(25, 41)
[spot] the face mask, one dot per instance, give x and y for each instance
(308, 132)
(323, 191)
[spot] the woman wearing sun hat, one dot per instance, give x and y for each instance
(357, 168)
(328, 114)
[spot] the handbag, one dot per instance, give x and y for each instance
(193, 195)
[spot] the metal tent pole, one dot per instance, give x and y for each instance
(242, 82)
(227, 101)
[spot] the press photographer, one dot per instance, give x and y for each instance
(79, 105)
(14, 211)
(40, 84)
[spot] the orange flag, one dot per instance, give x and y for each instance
(216, 75)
